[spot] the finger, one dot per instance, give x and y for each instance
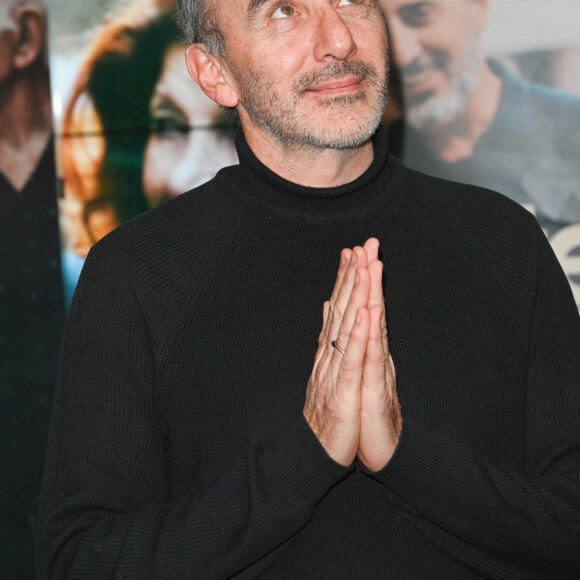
(385, 333)
(352, 362)
(345, 257)
(322, 336)
(377, 439)
(371, 247)
(379, 375)
(325, 311)
(376, 296)
(379, 390)
(325, 320)
(359, 297)
(374, 371)
(358, 259)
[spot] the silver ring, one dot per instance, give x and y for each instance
(333, 343)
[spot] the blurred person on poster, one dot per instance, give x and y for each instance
(136, 131)
(206, 427)
(31, 301)
(471, 119)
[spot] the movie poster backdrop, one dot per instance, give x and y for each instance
(31, 305)
(131, 130)
(511, 125)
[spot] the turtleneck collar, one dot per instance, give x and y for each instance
(259, 181)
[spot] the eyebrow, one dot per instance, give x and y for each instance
(254, 7)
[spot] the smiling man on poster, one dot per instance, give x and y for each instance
(194, 436)
(471, 119)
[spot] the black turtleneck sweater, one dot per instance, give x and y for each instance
(178, 448)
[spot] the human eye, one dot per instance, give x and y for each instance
(165, 126)
(349, 2)
(167, 121)
(417, 14)
(284, 11)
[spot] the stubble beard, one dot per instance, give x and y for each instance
(441, 109)
(279, 112)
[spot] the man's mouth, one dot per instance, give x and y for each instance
(335, 78)
(417, 81)
(343, 85)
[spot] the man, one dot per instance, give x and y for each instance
(183, 443)
(472, 120)
(30, 286)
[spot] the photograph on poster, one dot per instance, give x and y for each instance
(495, 104)
(31, 305)
(133, 129)
(489, 94)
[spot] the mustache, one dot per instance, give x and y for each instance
(436, 60)
(335, 70)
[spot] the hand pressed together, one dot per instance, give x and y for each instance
(351, 401)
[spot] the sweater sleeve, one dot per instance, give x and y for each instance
(106, 510)
(498, 522)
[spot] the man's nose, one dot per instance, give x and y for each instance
(404, 43)
(333, 36)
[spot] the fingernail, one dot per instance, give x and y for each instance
(342, 259)
(356, 279)
(358, 318)
(353, 258)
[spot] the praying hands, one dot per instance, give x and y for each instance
(351, 401)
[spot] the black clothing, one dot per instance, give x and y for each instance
(178, 448)
(31, 321)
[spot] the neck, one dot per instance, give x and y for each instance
(456, 139)
(25, 126)
(308, 166)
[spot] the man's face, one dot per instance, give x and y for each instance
(435, 44)
(309, 72)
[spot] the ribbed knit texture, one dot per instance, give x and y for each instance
(178, 447)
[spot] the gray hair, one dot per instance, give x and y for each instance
(198, 24)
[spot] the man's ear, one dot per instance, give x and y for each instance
(210, 73)
(31, 22)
